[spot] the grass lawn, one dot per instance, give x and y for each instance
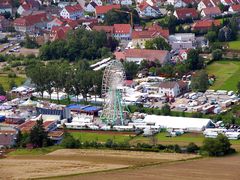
(86, 136)
(37, 151)
(227, 74)
(4, 80)
(235, 45)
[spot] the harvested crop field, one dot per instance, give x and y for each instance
(224, 168)
(69, 162)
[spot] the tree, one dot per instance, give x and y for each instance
(2, 91)
(217, 54)
(169, 22)
(199, 81)
(157, 44)
(30, 42)
(192, 148)
(115, 17)
(217, 147)
(12, 84)
(238, 87)
(211, 36)
(166, 110)
(193, 60)
(37, 74)
(131, 69)
(38, 136)
(69, 142)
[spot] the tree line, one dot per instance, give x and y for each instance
(79, 44)
(76, 79)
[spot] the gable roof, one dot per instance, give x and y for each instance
(142, 6)
(207, 3)
(31, 19)
(205, 24)
(211, 10)
(148, 54)
(73, 9)
(107, 29)
(122, 28)
(184, 13)
(105, 9)
(236, 7)
(168, 84)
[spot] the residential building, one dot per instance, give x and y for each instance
(59, 32)
(122, 31)
(140, 37)
(172, 88)
(146, 10)
(55, 22)
(177, 3)
(7, 138)
(204, 4)
(138, 55)
(211, 12)
(108, 29)
(90, 7)
(5, 24)
(30, 23)
(206, 24)
(5, 7)
(228, 2)
(123, 2)
(72, 12)
(28, 5)
(234, 8)
(102, 10)
(186, 13)
(182, 41)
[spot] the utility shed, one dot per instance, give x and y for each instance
(189, 124)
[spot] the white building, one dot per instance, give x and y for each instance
(182, 41)
(72, 12)
(177, 3)
(204, 4)
(123, 2)
(172, 88)
(122, 31)
(146, 10)
(5, 7)
(185, 123)
(90, 7)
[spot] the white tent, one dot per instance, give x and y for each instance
(190, 124)
(29, 102)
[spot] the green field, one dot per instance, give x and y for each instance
(227, 74)
(234, 45)
(37, 151)
(99, 137)
(4, 80)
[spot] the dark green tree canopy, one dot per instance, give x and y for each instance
(157, 44)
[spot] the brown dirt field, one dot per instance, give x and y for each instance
(224, 168)
(66, 162)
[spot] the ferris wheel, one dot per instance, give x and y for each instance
(112, 83)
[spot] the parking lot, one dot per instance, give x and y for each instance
(208, 102)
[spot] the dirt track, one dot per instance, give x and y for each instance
(65, 162)
(226, 168)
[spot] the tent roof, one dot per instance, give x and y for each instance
(178, 122)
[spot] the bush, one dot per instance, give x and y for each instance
(192, 148)
(12, 75)
(217, 147)
(69, 142)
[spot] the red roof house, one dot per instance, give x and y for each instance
(234, 8)
(102, 10)
(205, 24)
(137, 55)
(186, 13)
(122, 31)
(31, 22)
(211, 12)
